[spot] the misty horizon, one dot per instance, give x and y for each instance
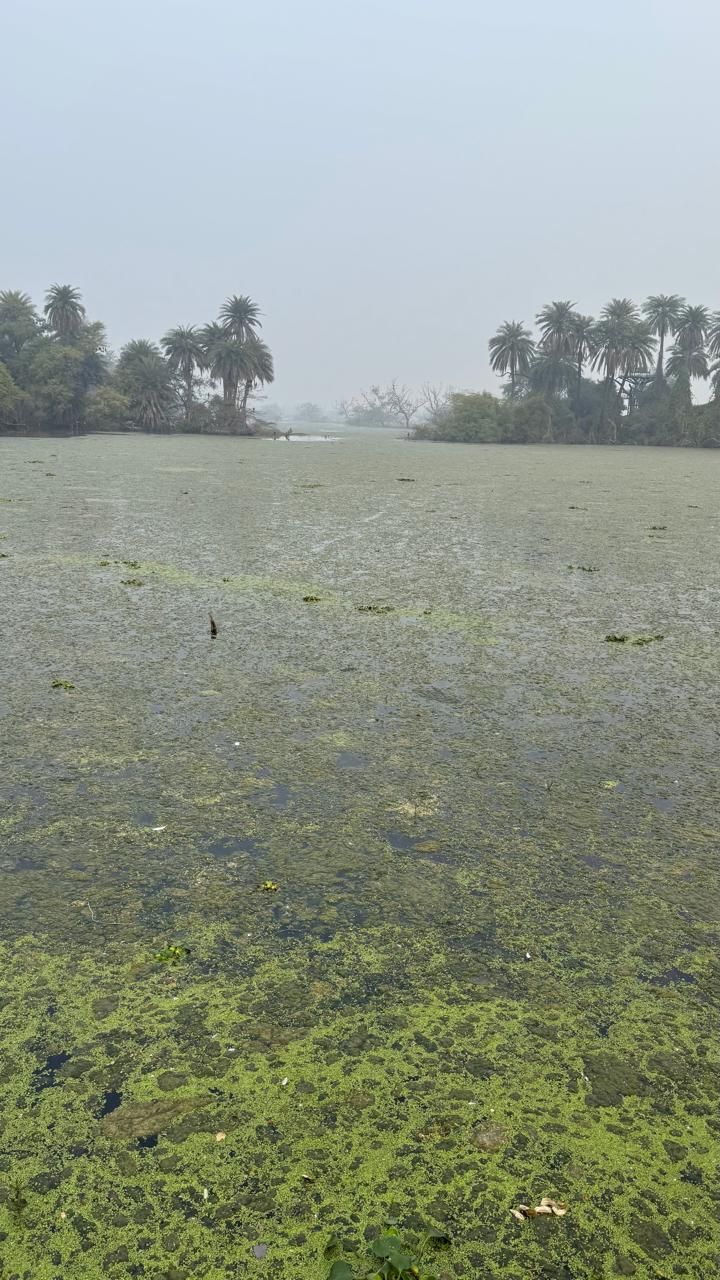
(401, 183)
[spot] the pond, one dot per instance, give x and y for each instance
(397, 900)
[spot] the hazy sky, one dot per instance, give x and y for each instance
(389, 179)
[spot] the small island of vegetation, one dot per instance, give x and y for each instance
(639, 396)
(57, 373)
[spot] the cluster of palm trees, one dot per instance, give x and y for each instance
(227, 351)
(626, 345)
(50, 362)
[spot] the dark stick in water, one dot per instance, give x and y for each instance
(213, 627)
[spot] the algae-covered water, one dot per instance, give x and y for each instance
(484, 967)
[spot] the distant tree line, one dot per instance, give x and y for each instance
(58, 374)
(394, 405)
(645, 361)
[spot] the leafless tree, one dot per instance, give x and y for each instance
(391, 405)
(404, 403)
(435, 397)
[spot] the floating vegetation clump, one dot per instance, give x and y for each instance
(623, 638)
(392, 1255)
(172, 955)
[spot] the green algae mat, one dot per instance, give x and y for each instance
(390, 909)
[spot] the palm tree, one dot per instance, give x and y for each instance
(620, 311)
(687, 357)
(609, 339)
(212, 333)
(226, 362)
(583, 335)
(260, 368)
(151, 392)
(617, 323)
(135, 350)
(637, 353)
(622, 344)
(184, 352)
(16, 305)
(662, 313)
(64, 310)
(138, 349)
(18, 322)
(693, 325)
(713, 335)
(551, 372)
(556, 327)
(511, 351)
(92, 342)
(240, 316)
(213, 337)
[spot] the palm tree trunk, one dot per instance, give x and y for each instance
(246, 392)
(604, 402)
(188, 393)
(661, 355)
(579, 377)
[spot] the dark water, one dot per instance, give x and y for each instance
(485, 956)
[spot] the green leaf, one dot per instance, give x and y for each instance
(399, 1260)
(385, 1245)
(333, 1244)
(340, 1271)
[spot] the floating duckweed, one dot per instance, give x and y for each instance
(172, 954)
(435, 1077)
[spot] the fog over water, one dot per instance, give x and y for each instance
(390, 180)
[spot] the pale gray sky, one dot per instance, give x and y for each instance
(389, 179)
